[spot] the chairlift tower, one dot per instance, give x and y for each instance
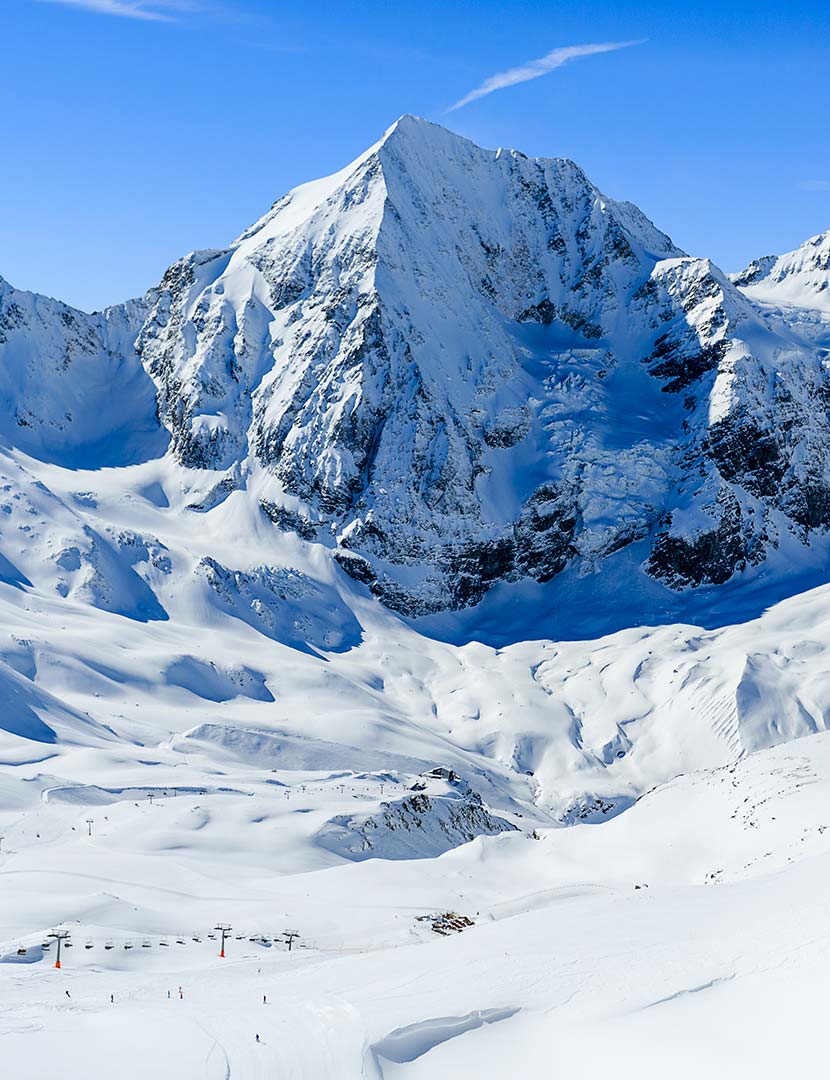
(59, 936)
(224, 929)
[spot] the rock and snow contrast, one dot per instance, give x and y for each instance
(439, 574)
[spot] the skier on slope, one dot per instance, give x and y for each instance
(257, 1036)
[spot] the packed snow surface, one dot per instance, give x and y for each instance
(571, 817)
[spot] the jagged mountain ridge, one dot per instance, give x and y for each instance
(73, 388)
(800, 278)
(453, 366)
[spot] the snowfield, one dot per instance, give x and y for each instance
(681, 935)
(458, 638)
(673, 898)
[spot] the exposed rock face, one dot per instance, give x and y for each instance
(413, 827)
(400, 347)
(456, 367)
(757, 270)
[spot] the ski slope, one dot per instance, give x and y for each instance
(680, 935)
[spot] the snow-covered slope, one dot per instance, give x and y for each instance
(255, 530)
(71, 385)
(686, 934)
(801, 278)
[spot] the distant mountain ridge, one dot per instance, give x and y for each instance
(452, 367)
(800, 278)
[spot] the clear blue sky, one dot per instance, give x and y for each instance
(128, 141)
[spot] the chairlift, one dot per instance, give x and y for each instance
(88, 944)
(164, 943)
(46, 944)
(21, 951)
(109, 944)
(196, 937)
(212, 937)
(145, 943)
(180, 941)
(128, 944)
(67, 944)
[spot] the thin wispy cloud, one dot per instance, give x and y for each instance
(146, 10)
(533, 69)
(815, 185)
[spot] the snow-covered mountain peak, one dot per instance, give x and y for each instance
(370, 344)
(453, 366)
(800, 278)
(428, 155)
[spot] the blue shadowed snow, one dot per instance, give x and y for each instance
(577, 607)
(10, 575)
(214, 684)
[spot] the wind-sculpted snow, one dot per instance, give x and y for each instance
(215, 683)
(285, 750)
(33, 715)
(100, 571)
